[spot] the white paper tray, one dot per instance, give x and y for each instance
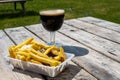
(45, 70)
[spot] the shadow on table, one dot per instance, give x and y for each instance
(78, 51)
(68, 74)
(14, 14)
(31, 74)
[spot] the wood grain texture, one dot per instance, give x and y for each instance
(20, 34)
(73, 72)
(96, 49)
(5, 69)
(102, 45)
(101, 23)
(19, 74)
(95, 63)
(96, 30)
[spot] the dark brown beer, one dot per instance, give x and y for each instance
(52, 20)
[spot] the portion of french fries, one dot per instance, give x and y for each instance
(35, 52)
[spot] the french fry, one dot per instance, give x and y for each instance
(20, 57)
(34, 61)
(27, 55)
(36, 47)
(38, 53)
(56, 48)
(55, 52)
(45, 60)
(58, 55)
(40, 44)
(49, 49)
(28, 41)
(57, 58)
(62, 53)
(11, 51)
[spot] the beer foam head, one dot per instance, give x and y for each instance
(52, 12)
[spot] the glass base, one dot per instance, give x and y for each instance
(57, 44)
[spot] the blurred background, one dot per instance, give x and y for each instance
(104, 9)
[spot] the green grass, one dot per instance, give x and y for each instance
(104, 9)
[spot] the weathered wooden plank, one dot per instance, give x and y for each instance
(95, 63)
(19, 74)
(20, 34)
(5, 72)
(102, 23)
(102, 32)
(5, 69)
(102, 45)
(73, 72)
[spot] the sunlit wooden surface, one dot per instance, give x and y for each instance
(95, 43)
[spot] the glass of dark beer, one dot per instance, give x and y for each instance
(52, 21)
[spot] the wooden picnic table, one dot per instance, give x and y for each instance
(95, 43)
(22, 2)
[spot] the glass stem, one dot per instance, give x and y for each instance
(52, 38)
